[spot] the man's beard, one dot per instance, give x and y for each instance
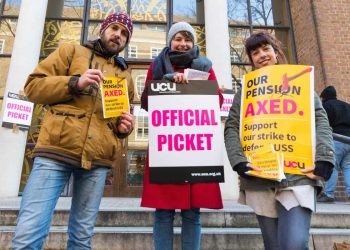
(110, 50)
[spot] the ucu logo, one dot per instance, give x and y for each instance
(12, 95)
(294, 164)
(163, 87)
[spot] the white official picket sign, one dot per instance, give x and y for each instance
(185, 131)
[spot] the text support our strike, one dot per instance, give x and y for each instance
(184, 118)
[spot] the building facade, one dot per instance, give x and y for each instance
(313, 33)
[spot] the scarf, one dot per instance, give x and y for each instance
(164, 62)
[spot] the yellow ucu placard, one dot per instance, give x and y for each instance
(277, 108)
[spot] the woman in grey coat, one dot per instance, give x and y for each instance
(283, 209)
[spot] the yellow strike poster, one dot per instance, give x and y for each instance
(114, 92)
(269, 162)
(277, 110)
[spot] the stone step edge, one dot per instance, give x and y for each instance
(205, 211)
(142, 209)
(177, 230)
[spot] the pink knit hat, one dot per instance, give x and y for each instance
(120, 18)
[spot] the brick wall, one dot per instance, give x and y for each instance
(332, 23)
(322, 35)
(333, 18)
(306, 41)
(340, 192)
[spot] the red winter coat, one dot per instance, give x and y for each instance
(180, 196)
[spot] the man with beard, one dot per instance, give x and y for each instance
(74, 138)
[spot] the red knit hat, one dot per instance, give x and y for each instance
(120, 18)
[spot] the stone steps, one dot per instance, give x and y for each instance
(125, 238)
(122, 224)
(144, 218)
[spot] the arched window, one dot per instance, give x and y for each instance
(140, 83)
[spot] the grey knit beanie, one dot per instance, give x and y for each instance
(180, 26)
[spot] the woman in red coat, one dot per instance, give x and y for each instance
(180, 53)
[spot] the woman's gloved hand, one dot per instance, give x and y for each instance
(322, 170)
(241, 169)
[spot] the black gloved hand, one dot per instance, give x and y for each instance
(323, 169)
(241, 168)
(170, 76)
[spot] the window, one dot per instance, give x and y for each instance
(155, 52)
(236, 53)
(132, 52)
(142, 130)
(246, 16)
(140, 83)
(235, 58)
(9, 11)
(141, 125)
(156, 27)
(191, 11)
(2, 46)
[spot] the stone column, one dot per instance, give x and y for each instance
(218, 51)
(217, 40)
(25, 56)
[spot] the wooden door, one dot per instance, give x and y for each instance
(127, 175)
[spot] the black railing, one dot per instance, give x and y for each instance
(341, 138)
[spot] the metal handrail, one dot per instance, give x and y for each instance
(341, 138)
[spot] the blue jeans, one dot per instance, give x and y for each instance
(290, 231)
(163, 231)
(44, 186)
(342, 153)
